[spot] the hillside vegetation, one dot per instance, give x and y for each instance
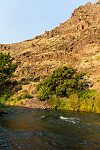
(76, 43)
(68, 89)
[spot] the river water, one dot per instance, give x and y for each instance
(35, 129)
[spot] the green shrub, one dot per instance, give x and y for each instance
(17, 100)
(56, 102)
(44, 92)
(86, 94)
(76, 103)
(7, 67)
(62, 82)
(4, 97)
(97, 103)
(24, 96)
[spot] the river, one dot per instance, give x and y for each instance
(36, 129)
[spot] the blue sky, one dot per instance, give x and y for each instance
(24, 19)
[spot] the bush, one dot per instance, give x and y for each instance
(62, 82)
(16, 100)
(56, 102)
(86, 94)
(85, 103)
(24, 96)
(7, 67)
(43, 92)
(4, 97)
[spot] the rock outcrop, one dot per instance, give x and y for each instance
(75, 42)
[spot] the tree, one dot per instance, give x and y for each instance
(7, 67)
(62, 82)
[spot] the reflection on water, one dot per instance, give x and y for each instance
(33, 129)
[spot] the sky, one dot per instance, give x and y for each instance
(24, 19)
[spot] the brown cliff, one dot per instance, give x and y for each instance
(75, 42)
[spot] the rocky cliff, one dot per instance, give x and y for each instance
(75, 42)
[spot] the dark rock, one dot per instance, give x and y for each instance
(3, 112)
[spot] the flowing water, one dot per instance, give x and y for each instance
(34, 129)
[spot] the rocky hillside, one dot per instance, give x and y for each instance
(75, 42)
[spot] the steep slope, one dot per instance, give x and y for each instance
(75, 42)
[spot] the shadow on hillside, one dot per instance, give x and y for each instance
(9, 88)
(6, 91)
(25, 81)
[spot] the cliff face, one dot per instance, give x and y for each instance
(75, 42)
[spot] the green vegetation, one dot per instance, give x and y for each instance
(68, 89)
(4, 96)
(62, 82)
(7, 68)
(7, 90)
(24, 96)
(21, 97)
(76, 103)
(8, 87)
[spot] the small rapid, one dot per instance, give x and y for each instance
(36, 129)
